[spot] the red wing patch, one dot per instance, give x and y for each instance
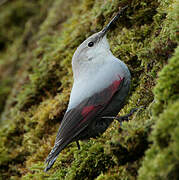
(86, 110)
(104, 97)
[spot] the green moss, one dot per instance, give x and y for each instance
(92, 157)
(162, 160)
(4, 92)
(167, 89)
(18, 41)
(127, 172)
(13, 19)
(40, 57)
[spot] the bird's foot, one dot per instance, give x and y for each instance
(120, 119)
(78, 145)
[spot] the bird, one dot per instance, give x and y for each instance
(101, 85)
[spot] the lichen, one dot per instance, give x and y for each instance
(35, 89)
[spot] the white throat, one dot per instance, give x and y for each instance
(88, 60)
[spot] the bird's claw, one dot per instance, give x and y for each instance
(120, 119)
(78, 145)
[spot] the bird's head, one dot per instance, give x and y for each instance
(91, 48)
(94, 49)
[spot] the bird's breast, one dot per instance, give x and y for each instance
(101, 78)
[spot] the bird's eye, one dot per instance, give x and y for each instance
(90, 44)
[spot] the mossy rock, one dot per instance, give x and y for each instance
(35, 56)
(161, 160)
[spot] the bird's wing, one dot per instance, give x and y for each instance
(77, 119)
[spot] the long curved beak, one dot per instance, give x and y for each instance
(109, 25)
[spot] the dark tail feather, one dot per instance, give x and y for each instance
(60, 144)
(53, 156)
(50, 164)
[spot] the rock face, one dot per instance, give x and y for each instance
(37, 41)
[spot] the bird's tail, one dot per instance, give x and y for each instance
(50, 164)
(60, 144)
(58, 147)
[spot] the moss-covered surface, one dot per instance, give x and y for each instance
(162, 159)
(37, 41)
